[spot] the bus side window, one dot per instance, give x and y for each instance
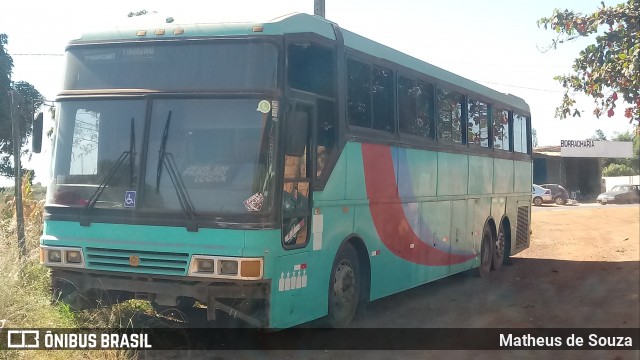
(326, 134)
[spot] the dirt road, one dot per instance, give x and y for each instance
(582, 270)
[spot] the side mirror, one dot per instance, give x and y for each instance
(36, 135)
(297, 130)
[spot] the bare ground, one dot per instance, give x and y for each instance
(582, 270)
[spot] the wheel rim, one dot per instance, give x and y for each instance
(537, 201)
(500, 246)
(344, 290)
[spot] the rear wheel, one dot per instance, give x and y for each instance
(344, 287)
(537, 201)
(499, 249)
(486, 252)
(559, 200)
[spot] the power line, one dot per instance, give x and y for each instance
(24, 54)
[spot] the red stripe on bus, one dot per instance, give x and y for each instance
(388, 217)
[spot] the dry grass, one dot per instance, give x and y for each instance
(25, 301)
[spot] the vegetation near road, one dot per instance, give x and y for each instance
(25, 301)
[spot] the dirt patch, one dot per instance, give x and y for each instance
(585, 234)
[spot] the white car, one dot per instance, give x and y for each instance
(539, 195)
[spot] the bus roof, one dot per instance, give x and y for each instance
(152, 27)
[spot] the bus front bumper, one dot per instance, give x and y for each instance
(230, 296)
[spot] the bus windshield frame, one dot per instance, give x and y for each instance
(174, 66)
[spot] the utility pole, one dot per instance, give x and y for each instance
(318, 7)
(17, 173)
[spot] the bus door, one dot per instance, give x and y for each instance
(296, 202)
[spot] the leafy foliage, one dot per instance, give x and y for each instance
(534, 138)
(608, 71)
(617, 170)
(629, 166)
(27, 101)
(137, 13)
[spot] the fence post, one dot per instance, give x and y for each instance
(17, 173)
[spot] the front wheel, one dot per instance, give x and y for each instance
(344, 287)
(537, 201)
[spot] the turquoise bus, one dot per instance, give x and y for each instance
(279, 172)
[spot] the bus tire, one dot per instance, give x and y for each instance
(344, 287)
(497, 258)
(486, 252)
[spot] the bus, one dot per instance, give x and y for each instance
(279, 172)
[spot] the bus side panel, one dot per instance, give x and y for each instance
(355, 185)
(474, 231)
(480, 175)
(523, 175)
(502, 176)
(453, 174)
(460, 239)
(416, 177)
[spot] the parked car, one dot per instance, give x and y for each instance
(560, 195)
(620, 194)
(539, 195)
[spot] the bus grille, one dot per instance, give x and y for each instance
(523, 227)
(149, 262)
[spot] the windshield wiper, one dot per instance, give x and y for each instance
(132, 154)
(85, 220)
(166, 159)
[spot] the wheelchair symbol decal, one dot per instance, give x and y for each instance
(129, 199)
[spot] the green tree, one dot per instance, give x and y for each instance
(599, 135)
(608, 70)
(137, 13)
(621, 166)
(534, 138)
(27, 100)
(618, 170)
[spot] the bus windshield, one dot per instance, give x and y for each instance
(173, 66)
(220, 152)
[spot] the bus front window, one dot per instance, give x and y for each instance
(219, 149)
(92, 137)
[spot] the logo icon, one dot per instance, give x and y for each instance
(23, 339)
(264, 106)
(129, 199)
(134, 260)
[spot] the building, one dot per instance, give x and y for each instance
(573, 173)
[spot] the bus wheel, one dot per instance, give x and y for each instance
(486, 252)
(344, 287)
(498, 249)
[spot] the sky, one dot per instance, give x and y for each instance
(495, 42)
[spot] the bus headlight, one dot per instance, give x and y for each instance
(61, 256)
(228, 267)
(73, 257)
(54, 256)
(224, 267)
(205, 266)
